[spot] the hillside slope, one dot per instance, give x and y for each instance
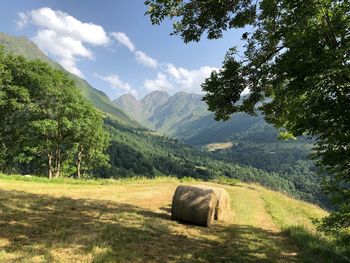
(185, 116)
(162, 112)
(129, 221)
(251, 140)
(142, 110)
(23, 46)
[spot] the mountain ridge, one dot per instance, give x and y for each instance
(185, 116)
(154, 109)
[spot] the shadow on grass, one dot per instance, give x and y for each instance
(63, 229)
(166, 209)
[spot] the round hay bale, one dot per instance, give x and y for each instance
(223, 206)
(194, 205)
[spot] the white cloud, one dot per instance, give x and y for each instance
(169, 78)
(22, 20)
(160, 83)
(116, 83)
(65, 48)
(144, 59)
(141, 56)
(66, 25)
(173, 79)
(189, 80)
(123, 39)
(63, 36)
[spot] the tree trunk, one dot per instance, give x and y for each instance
(58, 149)
(79, 160)
(58, 170)
(58, 162)
(49, 159)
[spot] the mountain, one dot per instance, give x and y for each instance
(25, 47)
(181, 108)
(245, 139)
(185, 116)
(162, 112)
(152, 101)
(142, 110)
(129, 103)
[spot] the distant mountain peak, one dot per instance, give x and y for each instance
(127, 96)
(181, 93)
(157, 94)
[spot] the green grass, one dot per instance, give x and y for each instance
(295, 219)
(129, 220)
(126, 180)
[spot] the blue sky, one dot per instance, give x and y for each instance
(113, 45)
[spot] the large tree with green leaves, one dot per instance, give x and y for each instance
(14, 110)
(296, 65)
(45, 121)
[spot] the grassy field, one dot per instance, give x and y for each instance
(129, 221)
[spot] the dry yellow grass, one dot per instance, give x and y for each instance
(219, 146)
(131, 222)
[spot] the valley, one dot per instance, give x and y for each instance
(185, 117)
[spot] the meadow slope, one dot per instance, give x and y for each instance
(129, 221)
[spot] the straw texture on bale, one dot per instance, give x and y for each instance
(223, 206)
(194, 205)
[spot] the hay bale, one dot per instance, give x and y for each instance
(223, 206)
(194, 205)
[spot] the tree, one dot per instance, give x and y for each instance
(45, 119)
(4, 77)
(296, 65)
(91, 140)
(46, 128)
(14, 107)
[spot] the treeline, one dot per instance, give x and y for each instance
(46, 126)
(290, 160)
(272, 157)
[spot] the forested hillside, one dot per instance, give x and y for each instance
(139, 152)
(244, 139)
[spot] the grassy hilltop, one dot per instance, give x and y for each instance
(129, 221)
